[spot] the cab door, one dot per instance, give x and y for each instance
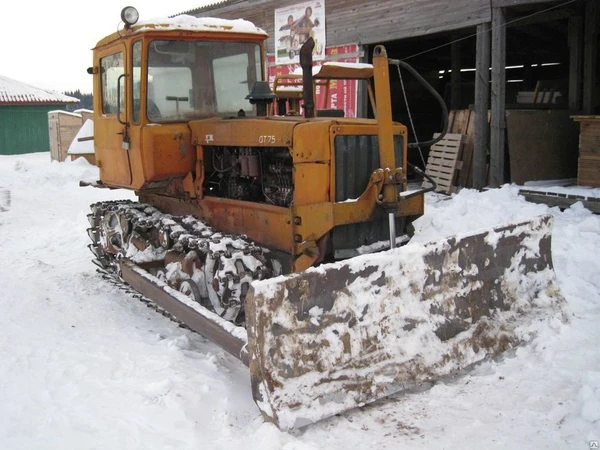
(111, 130)
(135, 117)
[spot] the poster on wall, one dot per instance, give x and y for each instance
(294, 25)
(342, 94)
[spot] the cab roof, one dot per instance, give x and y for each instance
(188, 23)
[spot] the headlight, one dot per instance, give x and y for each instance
(130, 15)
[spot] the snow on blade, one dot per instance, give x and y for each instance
(392, 320)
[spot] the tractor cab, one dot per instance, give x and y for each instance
(151, 79)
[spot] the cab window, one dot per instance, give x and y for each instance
(188, 80)
(111, 67)
(136, 82)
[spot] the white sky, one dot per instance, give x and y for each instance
(48, 44)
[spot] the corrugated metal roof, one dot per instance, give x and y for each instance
(205, 7)
(16, 92)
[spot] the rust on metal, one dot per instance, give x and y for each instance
(345, 334)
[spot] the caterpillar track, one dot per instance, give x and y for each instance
(212, 268)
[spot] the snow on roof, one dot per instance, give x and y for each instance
(191, 23)
(66, 113)
(83, 110)
(13, 91)
(86, 147)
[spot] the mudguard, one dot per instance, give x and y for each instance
(345, 334)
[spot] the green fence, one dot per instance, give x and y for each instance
(24, 128)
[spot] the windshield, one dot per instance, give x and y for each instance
(188, 80)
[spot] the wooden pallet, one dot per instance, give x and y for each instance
(444, 161)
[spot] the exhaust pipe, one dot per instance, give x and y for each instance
(307, 77)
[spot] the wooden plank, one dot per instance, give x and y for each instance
(461, 121)
(451, 117)
(442, 162)
(588, 178)
(504, 3)
(350, 21)
(464, 124)
(590, 164)
(589, 156)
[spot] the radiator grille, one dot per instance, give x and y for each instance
(356, 157)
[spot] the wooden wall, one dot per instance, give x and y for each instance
(542, 145)
(357, 21)
(62, 128)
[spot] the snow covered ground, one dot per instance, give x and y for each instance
(86, 366)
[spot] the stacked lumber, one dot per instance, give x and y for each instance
(588, 168)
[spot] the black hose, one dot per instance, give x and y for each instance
(437, 96)
(433, 186)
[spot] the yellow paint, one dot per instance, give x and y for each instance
(166, 163)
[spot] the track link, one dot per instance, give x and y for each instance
(212, 268)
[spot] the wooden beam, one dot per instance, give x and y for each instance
(590, 50)
(533, 19)
(505, 3)
(455, 74)
(482, 100)
(575, 61)
(498, 120)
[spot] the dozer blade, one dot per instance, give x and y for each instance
(345, 334)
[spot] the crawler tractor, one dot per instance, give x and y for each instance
(275, 236)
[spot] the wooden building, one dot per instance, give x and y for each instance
(520, 68)
(23, 116)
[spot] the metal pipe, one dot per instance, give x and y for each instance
(392, 223)
(306, 63)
